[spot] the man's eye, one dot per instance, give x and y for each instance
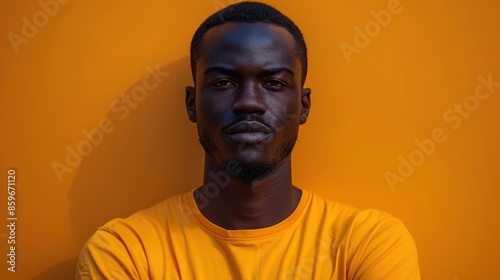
(222, 84)
(274, 84)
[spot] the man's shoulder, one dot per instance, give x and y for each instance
(331, 206)
(150, 219)
(347, 215)
(132, 247)
(376, 243)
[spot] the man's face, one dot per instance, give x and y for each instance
(248, 101)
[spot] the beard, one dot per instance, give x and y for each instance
(249, 171)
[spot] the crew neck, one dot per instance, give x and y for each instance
(248, 233)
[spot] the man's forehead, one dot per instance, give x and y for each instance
(235, 32)
(255, 42)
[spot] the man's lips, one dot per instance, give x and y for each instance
(248, 131)
(248, 127)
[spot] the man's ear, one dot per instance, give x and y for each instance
(191, 103)
(305, 100)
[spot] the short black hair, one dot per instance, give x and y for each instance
(248, 12)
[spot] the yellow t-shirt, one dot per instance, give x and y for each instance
(321, 239)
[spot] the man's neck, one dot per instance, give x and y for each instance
(234, 204)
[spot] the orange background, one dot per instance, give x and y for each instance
(366, 113)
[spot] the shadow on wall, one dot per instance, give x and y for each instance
(151, 154)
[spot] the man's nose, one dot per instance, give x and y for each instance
(249, 99)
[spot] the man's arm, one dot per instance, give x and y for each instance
(105, 256)
(385, 250)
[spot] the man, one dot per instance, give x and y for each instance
(247, 220)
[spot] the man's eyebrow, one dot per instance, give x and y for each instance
(265, 72)
(220, 69)
(277, 70)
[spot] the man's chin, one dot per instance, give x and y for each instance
(250, 161)
(249, 171)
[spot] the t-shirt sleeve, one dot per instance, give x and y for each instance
(105, 256)
(384, 248)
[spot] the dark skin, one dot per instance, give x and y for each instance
(249, 101)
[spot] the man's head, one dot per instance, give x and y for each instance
(248, 100)
(248, 12)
